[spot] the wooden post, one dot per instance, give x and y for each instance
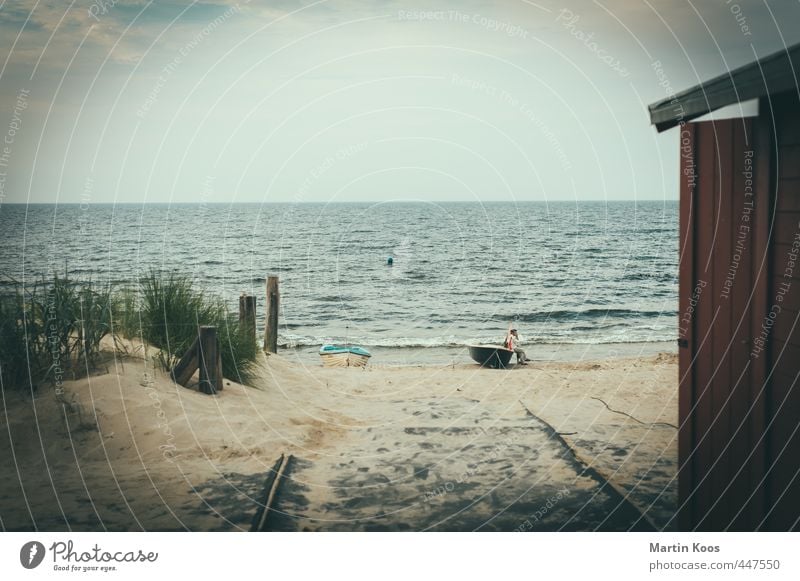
(271, 331)
(209, 360)
(220, 381)
(188, 364)
(247, 314)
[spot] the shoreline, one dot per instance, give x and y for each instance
(456, 355)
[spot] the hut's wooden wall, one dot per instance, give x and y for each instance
(783, 443)
(739, 404)
(720, 261)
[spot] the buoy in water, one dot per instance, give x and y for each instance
(389, 261)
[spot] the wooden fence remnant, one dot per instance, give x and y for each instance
(247, 314)
(187, 365)
(203, 354)
(209, 360)
(273, 300)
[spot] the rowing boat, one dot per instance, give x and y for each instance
(344, 356)
(494, 356)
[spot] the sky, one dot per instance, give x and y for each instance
(345, 101)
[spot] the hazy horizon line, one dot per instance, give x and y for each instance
(312, 203)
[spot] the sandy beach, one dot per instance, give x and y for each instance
(587, 445)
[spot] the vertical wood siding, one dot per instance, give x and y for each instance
(739, 401)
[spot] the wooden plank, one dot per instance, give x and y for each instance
(787, 267)
(788, 195)
(787, 226)
(741, 332)
(786, 326)
(788, 161)
(704, 359)
(785, 362)
(790, 352)
(187, 365)
(686, 325)
(720, 384)
(209, 359)
(784, 485)
(273, 301)
(787, 290)
(759, 308)
(784, 437)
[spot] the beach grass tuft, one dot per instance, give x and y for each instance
(52, 330)
(171, 310)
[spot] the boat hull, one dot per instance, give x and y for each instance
(333, 356)
(493, 356)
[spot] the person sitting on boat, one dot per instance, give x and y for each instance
(513, 342)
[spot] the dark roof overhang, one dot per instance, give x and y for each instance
(773, 74)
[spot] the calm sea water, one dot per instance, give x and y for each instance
(567, 273)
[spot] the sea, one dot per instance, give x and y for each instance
(578, 279)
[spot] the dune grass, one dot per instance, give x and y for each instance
(52, 330)
(171, 310)
(15, 349)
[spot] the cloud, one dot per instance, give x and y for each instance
(49, 32)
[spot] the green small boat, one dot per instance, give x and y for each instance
(344, 356)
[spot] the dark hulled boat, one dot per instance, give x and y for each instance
(494, 356)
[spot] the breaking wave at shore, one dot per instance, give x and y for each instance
(655, 334)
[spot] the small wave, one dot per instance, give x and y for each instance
(582, 328)
(83, 271)
(642, 336)
(397, 342)
(645, 338)
(331, 299)
(564, 315)
(655, 277)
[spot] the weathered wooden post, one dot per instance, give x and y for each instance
(247, 314)
(188, 364)
(220, 381)
(209, 359)
(271, 331)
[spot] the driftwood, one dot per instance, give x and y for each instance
(270, 491)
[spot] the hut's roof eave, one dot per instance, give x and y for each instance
(772, 74)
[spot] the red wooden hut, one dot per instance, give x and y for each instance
(739, 334)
